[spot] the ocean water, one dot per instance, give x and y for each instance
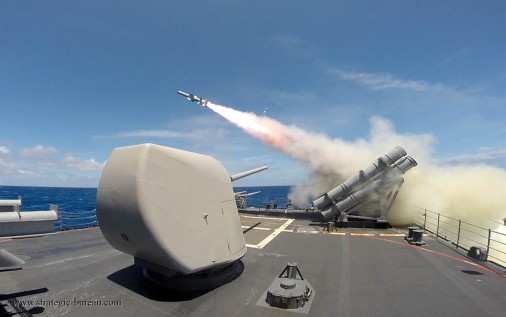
(268, 195)
(77, 205)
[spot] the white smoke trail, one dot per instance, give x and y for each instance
(473, 193)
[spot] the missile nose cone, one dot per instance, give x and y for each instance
(182, 93)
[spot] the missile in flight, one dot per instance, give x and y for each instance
(193, 98)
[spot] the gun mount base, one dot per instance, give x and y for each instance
(201, 281)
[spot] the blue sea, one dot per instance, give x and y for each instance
(77, 205)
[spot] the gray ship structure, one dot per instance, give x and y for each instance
(14, 222)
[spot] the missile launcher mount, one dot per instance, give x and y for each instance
(366, 198)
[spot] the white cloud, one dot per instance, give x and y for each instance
(5, 166)
(166, 134)
(27, 173)
(193, 131)
(386, 82)
(485, 155)
(38, 151)
(44, 166)
(145, 133)
(289, 41)
(450, 59)
(4, 150)
(294, 44)
(70, 160)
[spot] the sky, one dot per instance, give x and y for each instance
(81, 78)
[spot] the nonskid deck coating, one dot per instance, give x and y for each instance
(355, 272)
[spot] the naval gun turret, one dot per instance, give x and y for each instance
(175, 212)
(368, 195)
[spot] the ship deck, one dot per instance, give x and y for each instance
(354, 272)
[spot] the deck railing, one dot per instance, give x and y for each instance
(465, 235)
(72, 220)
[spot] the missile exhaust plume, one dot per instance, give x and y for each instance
(473, 193)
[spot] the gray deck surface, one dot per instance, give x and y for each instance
(353, 275)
